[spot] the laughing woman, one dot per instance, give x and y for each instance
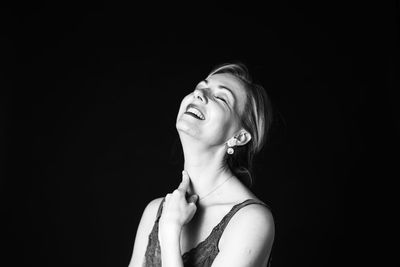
(212, 218)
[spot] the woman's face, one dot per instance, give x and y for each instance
(211, 113)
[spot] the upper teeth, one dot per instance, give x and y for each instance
(196, 112)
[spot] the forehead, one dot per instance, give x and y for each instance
(234, 84)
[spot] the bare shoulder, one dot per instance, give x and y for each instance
(155, 203)
(145, 225)
(151, 209)
(149, 216)
(253, 217)
(248, 236)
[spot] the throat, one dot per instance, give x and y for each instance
(207, 180)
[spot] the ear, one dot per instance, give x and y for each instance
(243, 138)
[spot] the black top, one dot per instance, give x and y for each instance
(205, 252)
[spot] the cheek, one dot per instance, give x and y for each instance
(219, 130)
(222, 120)
(226, 122)
(222, 114)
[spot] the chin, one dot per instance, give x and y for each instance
(186, 127)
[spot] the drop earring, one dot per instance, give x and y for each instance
(231, 143)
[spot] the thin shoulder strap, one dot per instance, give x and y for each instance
(160, 210)
(224, 222)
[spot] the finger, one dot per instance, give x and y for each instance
(177, 192)
(193, 199)
(194, 208)
(184, 185)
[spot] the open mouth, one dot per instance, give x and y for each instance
(194, 112)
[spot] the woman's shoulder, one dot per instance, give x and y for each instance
(252, 208)
(155, 203)
(151, 209)
(144, 230)
(153, 206)
(255, 217)
(256, 210)
(251, 228)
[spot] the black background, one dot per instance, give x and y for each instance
(89, 97)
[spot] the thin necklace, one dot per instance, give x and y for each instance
(209, 193)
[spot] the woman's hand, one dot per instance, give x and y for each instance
(177, 210)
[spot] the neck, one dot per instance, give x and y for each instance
(205, 166)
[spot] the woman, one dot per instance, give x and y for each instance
(212, 218)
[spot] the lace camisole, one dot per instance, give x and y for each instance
(205, 252)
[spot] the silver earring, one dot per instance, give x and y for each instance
(230, 151)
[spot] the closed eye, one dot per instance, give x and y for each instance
(220, 98)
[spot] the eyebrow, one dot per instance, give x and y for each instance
(222, 87)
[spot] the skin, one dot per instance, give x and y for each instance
(185, 221)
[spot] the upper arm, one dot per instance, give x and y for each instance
(143, 231)
(247, 239)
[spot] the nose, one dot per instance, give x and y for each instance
(200, 94)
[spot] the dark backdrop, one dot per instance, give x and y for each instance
(89, 97)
